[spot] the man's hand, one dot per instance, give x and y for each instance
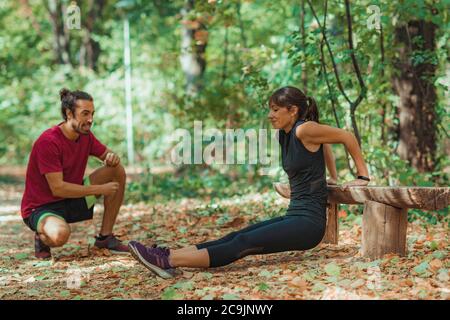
(109, 188)
(112, 159)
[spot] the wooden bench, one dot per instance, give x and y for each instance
(385, 215)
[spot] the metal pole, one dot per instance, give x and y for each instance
(127, 62)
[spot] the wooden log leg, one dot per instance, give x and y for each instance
(332, 230)
(383, 230)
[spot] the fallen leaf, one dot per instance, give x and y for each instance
(443, 275)
(265, 273)
(439, 254)
(358, 283)
(318, 287)
(235, 223)
(64, 293)
(433, 245)
(230, 296)
(299, 283)
(21, 256)
(263, 286)
(408, 282)
(435, 264)
(421, 268)
(332, 269)
(342, 214)
(187, 274)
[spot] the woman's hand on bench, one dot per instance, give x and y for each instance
(332, 181)
(283, 189)
(355, 183)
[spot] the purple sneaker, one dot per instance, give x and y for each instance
(154, 258)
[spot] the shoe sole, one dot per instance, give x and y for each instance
(155, 269)
(43, 258)
(119, 252)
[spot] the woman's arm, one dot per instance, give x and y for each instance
(330, 163)
(314, 133)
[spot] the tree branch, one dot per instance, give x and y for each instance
(241, 24)
(330, 52)
(350, 44)
(333, 102)
(225, 58)
(303, 34)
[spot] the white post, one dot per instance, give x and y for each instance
(127, 62)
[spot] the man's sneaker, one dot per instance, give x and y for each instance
(41, 250)
(113, 244)
(154, 258)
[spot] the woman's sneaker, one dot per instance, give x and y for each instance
(41, 250)
(154, 258)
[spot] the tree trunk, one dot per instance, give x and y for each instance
(414, 85)
(383, 114)
(241, 24)
(193, 46)
(90, 50)
(61, 45)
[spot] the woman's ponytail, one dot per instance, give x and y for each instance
(312, 112)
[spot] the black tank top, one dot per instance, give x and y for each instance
(305, 169)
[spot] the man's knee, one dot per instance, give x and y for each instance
(59, 237)
(120, 172)
(117, 173)
(56, 231)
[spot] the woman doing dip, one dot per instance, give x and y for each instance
(304, 155)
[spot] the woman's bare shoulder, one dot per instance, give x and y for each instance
(306, 128)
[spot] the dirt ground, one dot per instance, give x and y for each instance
(79, 271)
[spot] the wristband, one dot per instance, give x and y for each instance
(363, 178)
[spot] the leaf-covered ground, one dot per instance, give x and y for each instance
(78, 271)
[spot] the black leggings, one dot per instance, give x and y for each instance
(287, 233)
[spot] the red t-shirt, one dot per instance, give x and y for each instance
(53, 152)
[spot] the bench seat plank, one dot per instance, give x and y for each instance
(426, 198)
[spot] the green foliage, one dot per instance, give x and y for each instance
(193, 182)
(253, 47)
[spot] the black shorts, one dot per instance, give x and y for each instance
(71, 210)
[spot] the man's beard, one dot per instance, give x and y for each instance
(79, 129)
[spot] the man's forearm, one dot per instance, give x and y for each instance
(72, 190)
